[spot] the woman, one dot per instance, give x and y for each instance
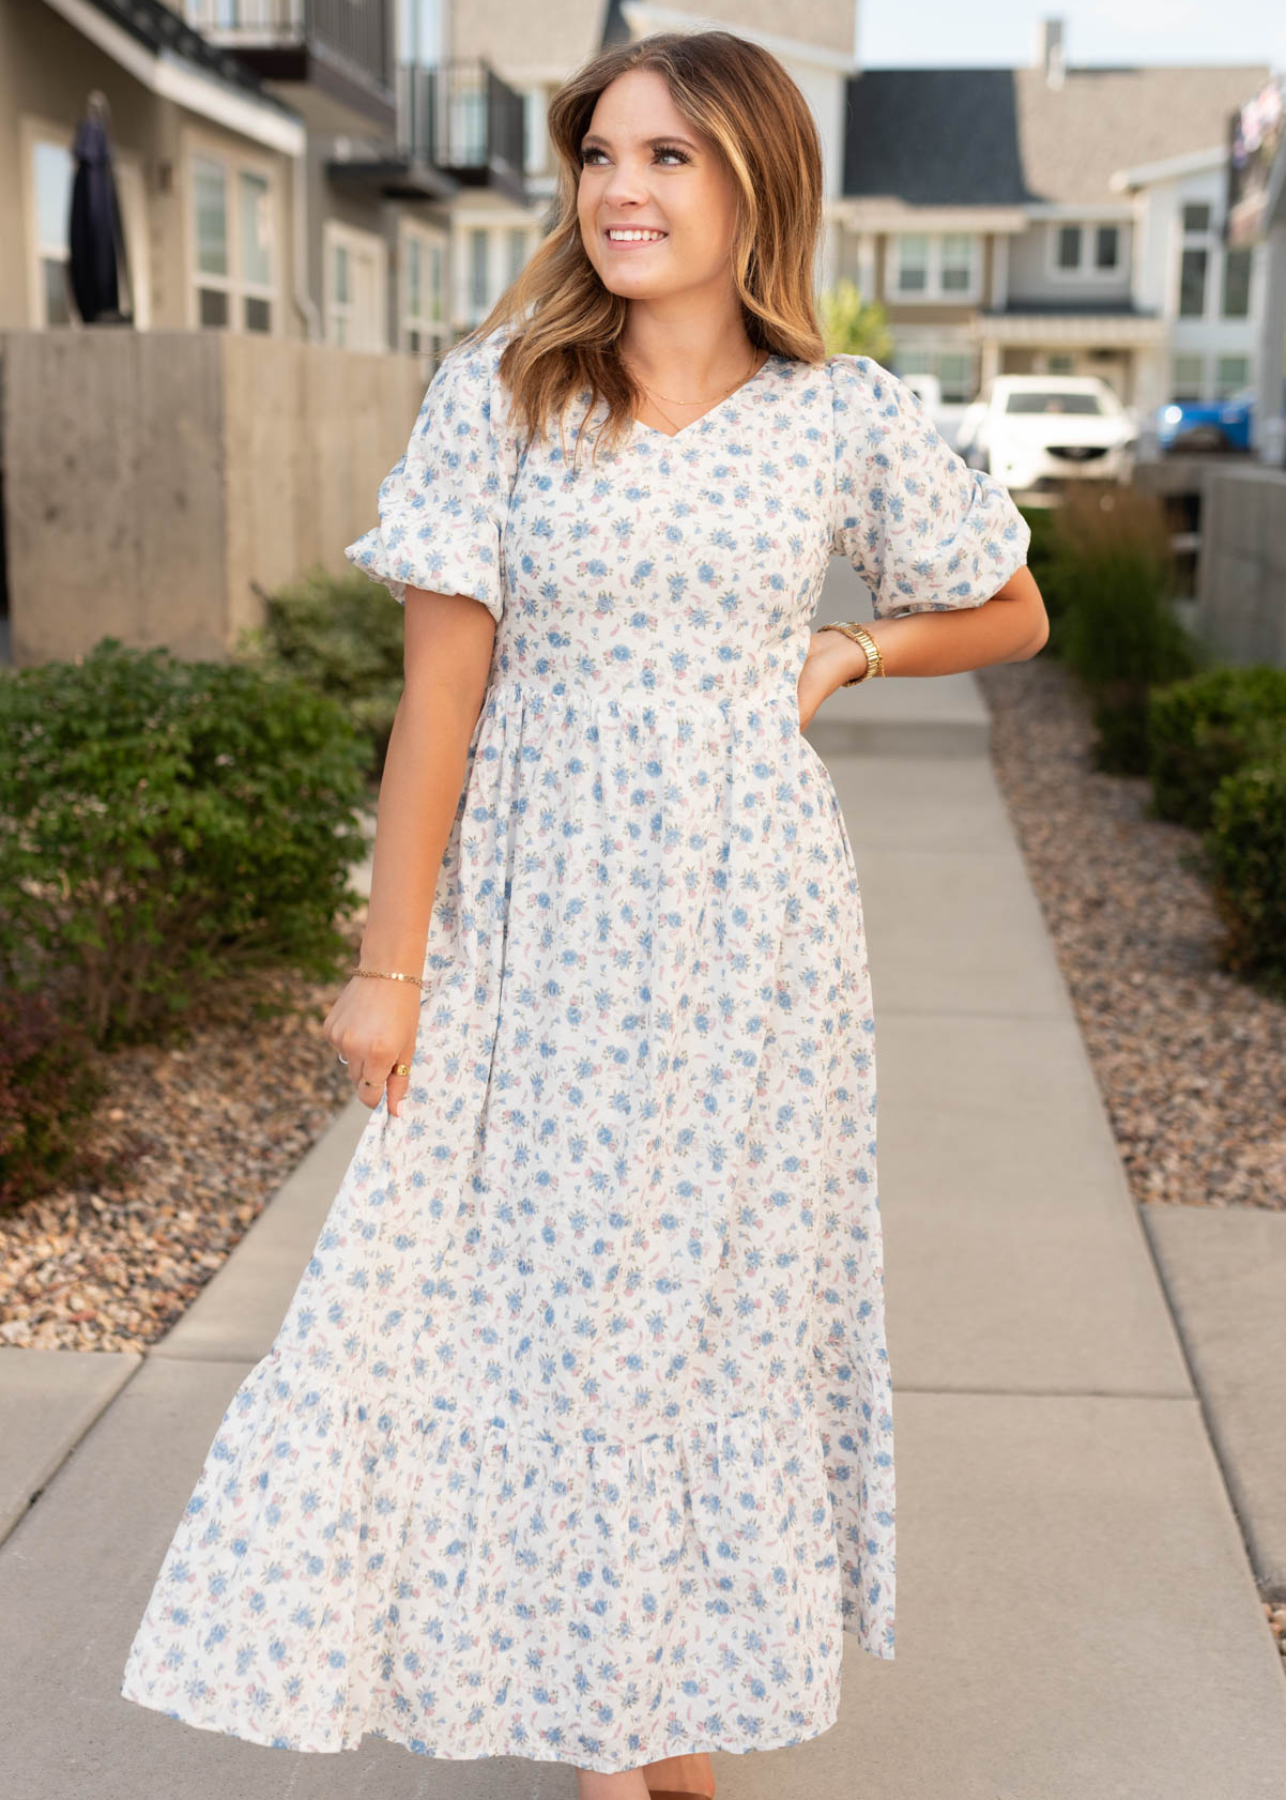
(576, 1442)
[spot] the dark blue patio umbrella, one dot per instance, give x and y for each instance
(95, 234)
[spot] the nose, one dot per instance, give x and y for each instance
(624, 185)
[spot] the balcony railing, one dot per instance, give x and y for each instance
(460, 116)
(359, 31)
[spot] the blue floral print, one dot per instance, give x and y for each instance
(576, 1441)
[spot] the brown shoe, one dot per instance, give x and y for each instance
(680, 1777)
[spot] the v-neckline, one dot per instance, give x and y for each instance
(671, 436)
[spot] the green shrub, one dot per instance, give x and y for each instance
(1202, 729)
(1116, 580)
(48, 1086)
(344, 638)
(1047, 572)
(166, 827)
(1246, 844)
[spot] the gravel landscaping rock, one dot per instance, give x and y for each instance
(192, 1140)
(1189, 1060)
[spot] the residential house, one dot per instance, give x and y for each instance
(1052, 219)
(373, 174)
(283, 168)
(204, 160)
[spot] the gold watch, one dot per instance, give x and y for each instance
(860, 635)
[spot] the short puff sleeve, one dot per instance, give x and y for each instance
(444, 503)
(923, 530)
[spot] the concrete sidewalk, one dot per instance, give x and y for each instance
(1077, 1613)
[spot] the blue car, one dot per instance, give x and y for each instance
(1207, 425)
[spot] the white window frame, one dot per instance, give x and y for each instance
(363, 243)
(198, 145)
(1085, 274)
(1209, 239)
(933, 294)
(434, 327)
(136, 288)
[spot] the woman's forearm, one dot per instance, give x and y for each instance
(423, 775)
(1010, 627)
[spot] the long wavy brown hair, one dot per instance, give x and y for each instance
(566, 325)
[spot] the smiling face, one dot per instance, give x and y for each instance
(645, 168)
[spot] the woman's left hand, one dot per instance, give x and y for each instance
(832, 660)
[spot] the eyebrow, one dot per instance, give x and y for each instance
(670, 137)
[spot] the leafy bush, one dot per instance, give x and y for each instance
(166, 827)
(48, 1086)
(1246, 844)
(1116, 578)
(344, 638)
(1202, 729)
(1047, 571)
(854, 326)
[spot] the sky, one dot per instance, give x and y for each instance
(1001, 34)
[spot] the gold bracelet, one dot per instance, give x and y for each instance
(860, 635)
(379, 975)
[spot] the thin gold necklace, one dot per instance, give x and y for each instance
(676, 402)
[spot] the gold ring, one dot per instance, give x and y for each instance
(401, 1068)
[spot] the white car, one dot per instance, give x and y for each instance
(1036, 430)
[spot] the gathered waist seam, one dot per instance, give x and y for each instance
(584, 694)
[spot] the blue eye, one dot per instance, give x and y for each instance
(661, 150)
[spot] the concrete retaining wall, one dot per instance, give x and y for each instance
(1241, 570)
(153, 479)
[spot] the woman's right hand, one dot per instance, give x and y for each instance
(373, 1027)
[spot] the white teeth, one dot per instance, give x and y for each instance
(635, 237)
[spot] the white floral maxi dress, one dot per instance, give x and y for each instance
(576, 1442)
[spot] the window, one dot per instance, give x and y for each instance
(913, 264)
(342, 302)
(423, 323)
(535, 131)
(479, 247)
(53, 176)
(1192, 284)
(210, 212)
(419, 30)
(467, 118)
(517, 250)
(1088, 250)
(1196, 216)
(1232, 373)
(933, 268)
(1053, 400)
(953, 368)
(355, 268)
(1187, 376)
(957, 263)
(1236, 283)
(256, 250)
(234, 240)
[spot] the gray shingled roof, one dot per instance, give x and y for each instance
(980, 137)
